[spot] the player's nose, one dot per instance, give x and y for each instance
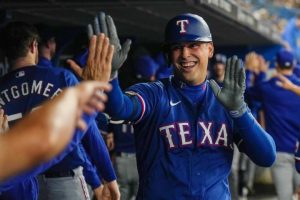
(185, 52)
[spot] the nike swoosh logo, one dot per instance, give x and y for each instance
(174, 104)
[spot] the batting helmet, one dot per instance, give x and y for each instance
(219, 58)
(187, 28)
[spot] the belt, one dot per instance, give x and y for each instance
(69, 173)
(123, 154)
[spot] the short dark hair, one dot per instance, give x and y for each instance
(46, 33)
(16, 38)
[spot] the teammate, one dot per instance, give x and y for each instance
(50, 182)
(287, 84)
(282, 122)
(125, 158)
(218, 68)
(47, 46)
(27, 85)
(291, 36)
(184, 125)
(36, 139)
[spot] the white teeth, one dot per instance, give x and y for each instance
(188, 64)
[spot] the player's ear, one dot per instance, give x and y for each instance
(33, 46)
(210, 50)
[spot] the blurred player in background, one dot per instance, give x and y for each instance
(282, 122)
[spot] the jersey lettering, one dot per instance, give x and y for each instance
(183, 131)
(125, 128)
(206, 131)
(165, 130)
(36, 87)
(222, 136)
(184, 134)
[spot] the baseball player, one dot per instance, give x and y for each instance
(35, 144)
(282, 122)
(27, 86)
(50, 182)
(125, 158)
(185, 126)
(287, 84)
(218, 68)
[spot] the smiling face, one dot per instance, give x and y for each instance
(190, 60)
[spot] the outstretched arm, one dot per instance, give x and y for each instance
(119, 106)
(252, 139)
(287, 84)
(45, 132)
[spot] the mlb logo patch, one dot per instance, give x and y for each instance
(20, 74)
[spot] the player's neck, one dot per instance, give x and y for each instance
(23, 62)
(45, 53)
(287, 72)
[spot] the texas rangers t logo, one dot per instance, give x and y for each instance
(182, 24)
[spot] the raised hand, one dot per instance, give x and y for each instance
(105, 24)
(99, 60)
(91, 98)
(231, 95)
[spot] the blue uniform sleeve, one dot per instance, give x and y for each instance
(95, 147)
(121, 106)
(253, 140)
(90, 174)
(137, 103)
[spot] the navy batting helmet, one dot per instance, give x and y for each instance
(187, 28)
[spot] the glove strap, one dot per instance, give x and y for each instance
(239, 112)
(113, 75)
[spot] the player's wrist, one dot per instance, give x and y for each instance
(113, 75)
(239, 111)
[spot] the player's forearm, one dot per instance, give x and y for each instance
(255, 141)
(57, 133)
(91, 176)
(295, 89)
(38, 137)
(119, 105)
(97, 151)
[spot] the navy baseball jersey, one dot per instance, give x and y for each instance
(281, 112)
(123, 137)
(184, 139)
(44, 62)
(25, 89)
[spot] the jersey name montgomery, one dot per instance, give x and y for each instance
(182, 130)
(28, 88)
